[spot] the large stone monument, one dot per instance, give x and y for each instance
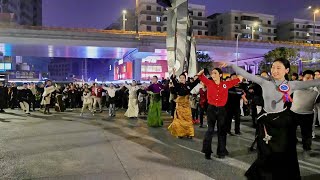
(181, 50)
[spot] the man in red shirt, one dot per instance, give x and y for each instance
(96, 94)
(217, 92)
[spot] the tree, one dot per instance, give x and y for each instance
(204, 60)
(282, 52)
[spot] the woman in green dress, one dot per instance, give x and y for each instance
(154, 114)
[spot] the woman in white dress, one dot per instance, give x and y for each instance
(133, 108)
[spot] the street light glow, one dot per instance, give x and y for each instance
(316, 11)
(124, 12)
(310, 7)
(255, 24)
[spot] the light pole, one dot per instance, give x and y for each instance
(237, 48)
(255, 24)
(124, 12)
(314, 25)
(137, 17)
(315, 11)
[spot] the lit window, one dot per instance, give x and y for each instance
(158, 19)
(110, 67)
(124, 69)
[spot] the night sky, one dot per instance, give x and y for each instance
(100, 13)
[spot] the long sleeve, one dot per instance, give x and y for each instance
(204, 79)
(297, 85)
(232, 83)
(194, 83)
(175, 83)
(127, 86)
(247, 75)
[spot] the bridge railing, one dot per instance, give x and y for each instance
(147, 33)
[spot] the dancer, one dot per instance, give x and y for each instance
(154, 113)
(217, 92)
(302, 110)
(182, 125)
(111, 90)
(96, 92)
(24, 97)
(276, 131)
(46, 96)
(133, 109)
(87, 101)
(203, 104)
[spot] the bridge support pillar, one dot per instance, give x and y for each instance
(137, 69)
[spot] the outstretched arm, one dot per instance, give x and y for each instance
(296, 85)
(247, 75)
(202, 78)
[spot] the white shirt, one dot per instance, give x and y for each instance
(111, 91)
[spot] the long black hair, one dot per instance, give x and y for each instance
(286, 64)
(219, 71)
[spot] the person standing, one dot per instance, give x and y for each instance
(316, 117)
(235, 94)
(96, 95)
(87, 101)
(182, 125)
(302, 110)
(3, 97)
(154, 113)
(217, 91)
(203, 103)
(133, 109)
(276, 130)
(46, 96)
(111, 92)
(24, 97)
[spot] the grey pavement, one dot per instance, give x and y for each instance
(66, 146)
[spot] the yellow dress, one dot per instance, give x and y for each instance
(182, 123)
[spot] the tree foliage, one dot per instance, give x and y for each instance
(290, 54)
(204, 60)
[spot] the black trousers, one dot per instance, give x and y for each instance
(202, 111)
(305, 121)
(233, 112)
(216, 114)
(172, 107)
(194, 113)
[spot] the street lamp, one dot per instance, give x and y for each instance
(124, 12)
(255, 24)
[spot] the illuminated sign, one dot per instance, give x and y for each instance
(120, 61)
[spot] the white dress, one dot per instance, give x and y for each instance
(46, 96)
(133, 108)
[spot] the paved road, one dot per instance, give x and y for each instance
(67, 146)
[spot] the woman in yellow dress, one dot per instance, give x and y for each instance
(182, 125)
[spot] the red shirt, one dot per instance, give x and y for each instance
(218, 93)
(203, 97)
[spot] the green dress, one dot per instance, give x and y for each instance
(154, 114)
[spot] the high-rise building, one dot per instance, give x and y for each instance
(152, 17)
(26, 12)
(245, 24)
(299, 30)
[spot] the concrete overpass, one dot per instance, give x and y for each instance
(92, 43)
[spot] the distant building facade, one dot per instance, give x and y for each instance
(26, 12)
(232, 23)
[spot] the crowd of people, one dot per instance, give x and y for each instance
(276, 104)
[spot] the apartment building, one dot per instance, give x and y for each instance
(299, 30)
(245, 24)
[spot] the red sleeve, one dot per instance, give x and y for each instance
(232, 83)
(204, 79)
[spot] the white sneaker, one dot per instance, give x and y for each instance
(313, 135)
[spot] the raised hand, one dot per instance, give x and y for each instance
(174, 71)
(240, 77)
(200, 72)
(223, 65)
